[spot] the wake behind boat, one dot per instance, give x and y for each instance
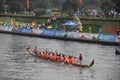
(58, 59)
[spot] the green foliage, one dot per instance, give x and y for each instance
(57, 3)
(67, 6)
(42, 4)
(2, 7)
(106, 5)
(117, 6)
(70, 6)
(87, 27)
(15, 6)
(39, 11)
(91, 2)
(40, 7)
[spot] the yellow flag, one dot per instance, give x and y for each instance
(17, 23)
(43, 24)
(81, 28)
(1, 22)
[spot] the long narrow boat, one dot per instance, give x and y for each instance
(75, 64)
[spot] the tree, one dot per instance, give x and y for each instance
(39, 12)
(57, 3)
(40, 6)
(16, 6)
(117, 5)
(2, 6)
(106, 5)
(70, 6)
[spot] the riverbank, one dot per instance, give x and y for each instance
(104, 39)
(104, 23)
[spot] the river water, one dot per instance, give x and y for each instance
(15, 64)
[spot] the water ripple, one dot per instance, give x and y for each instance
(15, 64)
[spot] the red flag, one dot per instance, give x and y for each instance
(115, 30)
(109, 29)
(34, 24)
(28, 4)
(57, 17)
(81, 2)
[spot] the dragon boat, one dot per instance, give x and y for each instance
(57, 61)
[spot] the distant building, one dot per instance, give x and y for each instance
(91, 9)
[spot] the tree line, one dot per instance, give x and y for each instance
(66, 6)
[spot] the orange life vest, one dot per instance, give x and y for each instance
(67, 60)
(74, 60)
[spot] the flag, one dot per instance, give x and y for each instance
(77, 20)
(17, 23)
(27, 4)
(90, 29)
(109, 29)
(115, 30)
(34, 24)
(1, 22)
(81, 28)
(12, 22)
(43, 24)
(81, 2)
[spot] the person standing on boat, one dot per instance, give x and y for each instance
(80, 58)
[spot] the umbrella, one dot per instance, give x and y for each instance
(70, 23)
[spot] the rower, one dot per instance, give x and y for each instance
(62, 57)
(35, 50)
(74, 60)
(67, 60)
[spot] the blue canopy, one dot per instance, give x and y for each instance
(70, 23)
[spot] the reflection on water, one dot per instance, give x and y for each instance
(15, 64)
